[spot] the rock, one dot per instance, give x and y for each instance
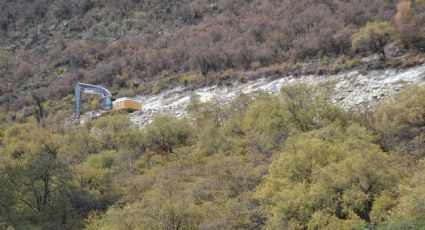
(352, 91)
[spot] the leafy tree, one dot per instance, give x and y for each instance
(209, 139)
(98, 189)
(328, 178)
(309, 107)
(410, 22)
(37, 186)
(205, 112)
(400, 123)
(267, 123)
(409, 212)
(374, 37)
(164, 133)
(159, 209)
(269, 120)
(159, 199)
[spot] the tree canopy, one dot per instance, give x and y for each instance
(287, 161)
(374, 36)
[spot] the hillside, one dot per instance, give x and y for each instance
(257, 114)
(142, 47)
(285, 161)
(350, 90)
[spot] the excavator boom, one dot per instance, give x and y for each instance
(91, 89)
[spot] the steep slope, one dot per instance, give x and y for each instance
(352, 90)
(138, 47)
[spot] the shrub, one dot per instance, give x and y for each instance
(353, 63)
(320, 70)
(229, 73)
(190, 78)
(165, 133)
(412, 61)
(268, 123)
(4, 60)
(325, 60)
(342, 59)
(400, 123)
(409, 20)
(374, 37)
(255, 65)
(319, 113)
(219, 36)
(156, 87)
(341, 174)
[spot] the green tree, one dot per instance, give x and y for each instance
(36, 185)
(327, 179)
(209, 139)
(309, 107)
(116, 132)
(374, 37)
(267, 122)
(165, 133)
(410, 210)
(160, 210)
(205, 112)
(159, 199)
(400, 123)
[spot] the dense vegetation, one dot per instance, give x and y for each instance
(135, 47)
(288, 161)
(291, 161)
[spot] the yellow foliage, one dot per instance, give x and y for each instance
(229, 72)
(352, 63)
(156, 87)
(322, 171)
(190, 77)
(374, 36)
(255, 65)
(404, 10)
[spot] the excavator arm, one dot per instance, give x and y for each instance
(81, 88)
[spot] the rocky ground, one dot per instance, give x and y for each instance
(351, 90)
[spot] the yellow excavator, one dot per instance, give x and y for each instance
(124, 103)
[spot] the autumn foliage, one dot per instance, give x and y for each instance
(137, 47)
(288, 161)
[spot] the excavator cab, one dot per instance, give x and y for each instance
(126, 103)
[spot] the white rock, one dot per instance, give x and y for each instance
(351, 90)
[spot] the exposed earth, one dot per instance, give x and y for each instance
(351, 90)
